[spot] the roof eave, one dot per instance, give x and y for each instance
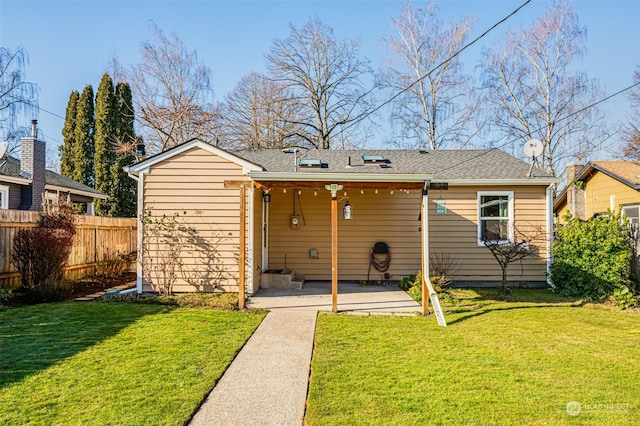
(76, 191)
(612, 175)
(342, 177)
(145, 164)
(11, 179)
(500, 182)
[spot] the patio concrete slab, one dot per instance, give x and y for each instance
(267, 382)
(351, 298)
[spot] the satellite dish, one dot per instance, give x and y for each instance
(3, 149)
(533, 148)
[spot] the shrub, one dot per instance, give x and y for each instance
(113, 265)
(592, 259)
(40, 254)
(55, 291)
(411, 281)
(6, 296)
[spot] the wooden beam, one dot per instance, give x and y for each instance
(243, 231)
(271, 185)
(425, 250)
(237, 183)
(334, 254)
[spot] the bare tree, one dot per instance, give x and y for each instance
(258, 113)
(526, 242)
(436, 108)
(172, 93)
(631, 132)
(534, 93)
(17, 96)
(327, 81)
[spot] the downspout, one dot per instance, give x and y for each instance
(549, 195)
(140, 197)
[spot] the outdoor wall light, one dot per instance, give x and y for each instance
(347, 211)
(267, 197)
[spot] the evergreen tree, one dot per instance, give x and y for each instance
(69, 136)
(104, 132)
(123, 189)
(83, 148)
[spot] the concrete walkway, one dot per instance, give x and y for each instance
(267, 382)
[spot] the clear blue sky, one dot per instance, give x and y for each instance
(69, 42)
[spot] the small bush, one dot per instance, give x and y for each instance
(40, 255)
(411, 281)
(592, 259)
(113, 265)
(6, 296)
(55, 291)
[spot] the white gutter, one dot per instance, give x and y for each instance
(140, 195)
(76, 191)
(498, 182)
(549, 194)
(339, 177)
(19, 181)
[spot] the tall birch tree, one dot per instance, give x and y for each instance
(436, 107)
(533, 90)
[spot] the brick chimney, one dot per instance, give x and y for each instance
(32, 166)
(572, 172)
(575, 195)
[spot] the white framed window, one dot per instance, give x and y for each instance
(4, 197)
(632, 212)
(495, 216)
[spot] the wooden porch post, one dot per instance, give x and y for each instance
(424, 225)
(242, 261)
(334, 252)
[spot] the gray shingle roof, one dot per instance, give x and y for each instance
(12, 169)
(445, 165)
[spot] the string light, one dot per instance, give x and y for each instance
(376, 190)
(391, 192)
(284, 191)
(315, 192)
(299, 191)
(361, 191)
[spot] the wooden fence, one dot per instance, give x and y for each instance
(97, 240)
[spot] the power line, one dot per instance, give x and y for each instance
(36, 106)
(591, 105)
(466, 46)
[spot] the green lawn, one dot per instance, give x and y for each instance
(516, 361)
(113, 363)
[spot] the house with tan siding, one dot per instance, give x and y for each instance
(255, 214)
(599, 186)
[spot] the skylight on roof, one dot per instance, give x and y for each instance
(373, 158)
(310, 162)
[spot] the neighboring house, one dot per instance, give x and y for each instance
(23, 183)
(599, 186)
(290, 214)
